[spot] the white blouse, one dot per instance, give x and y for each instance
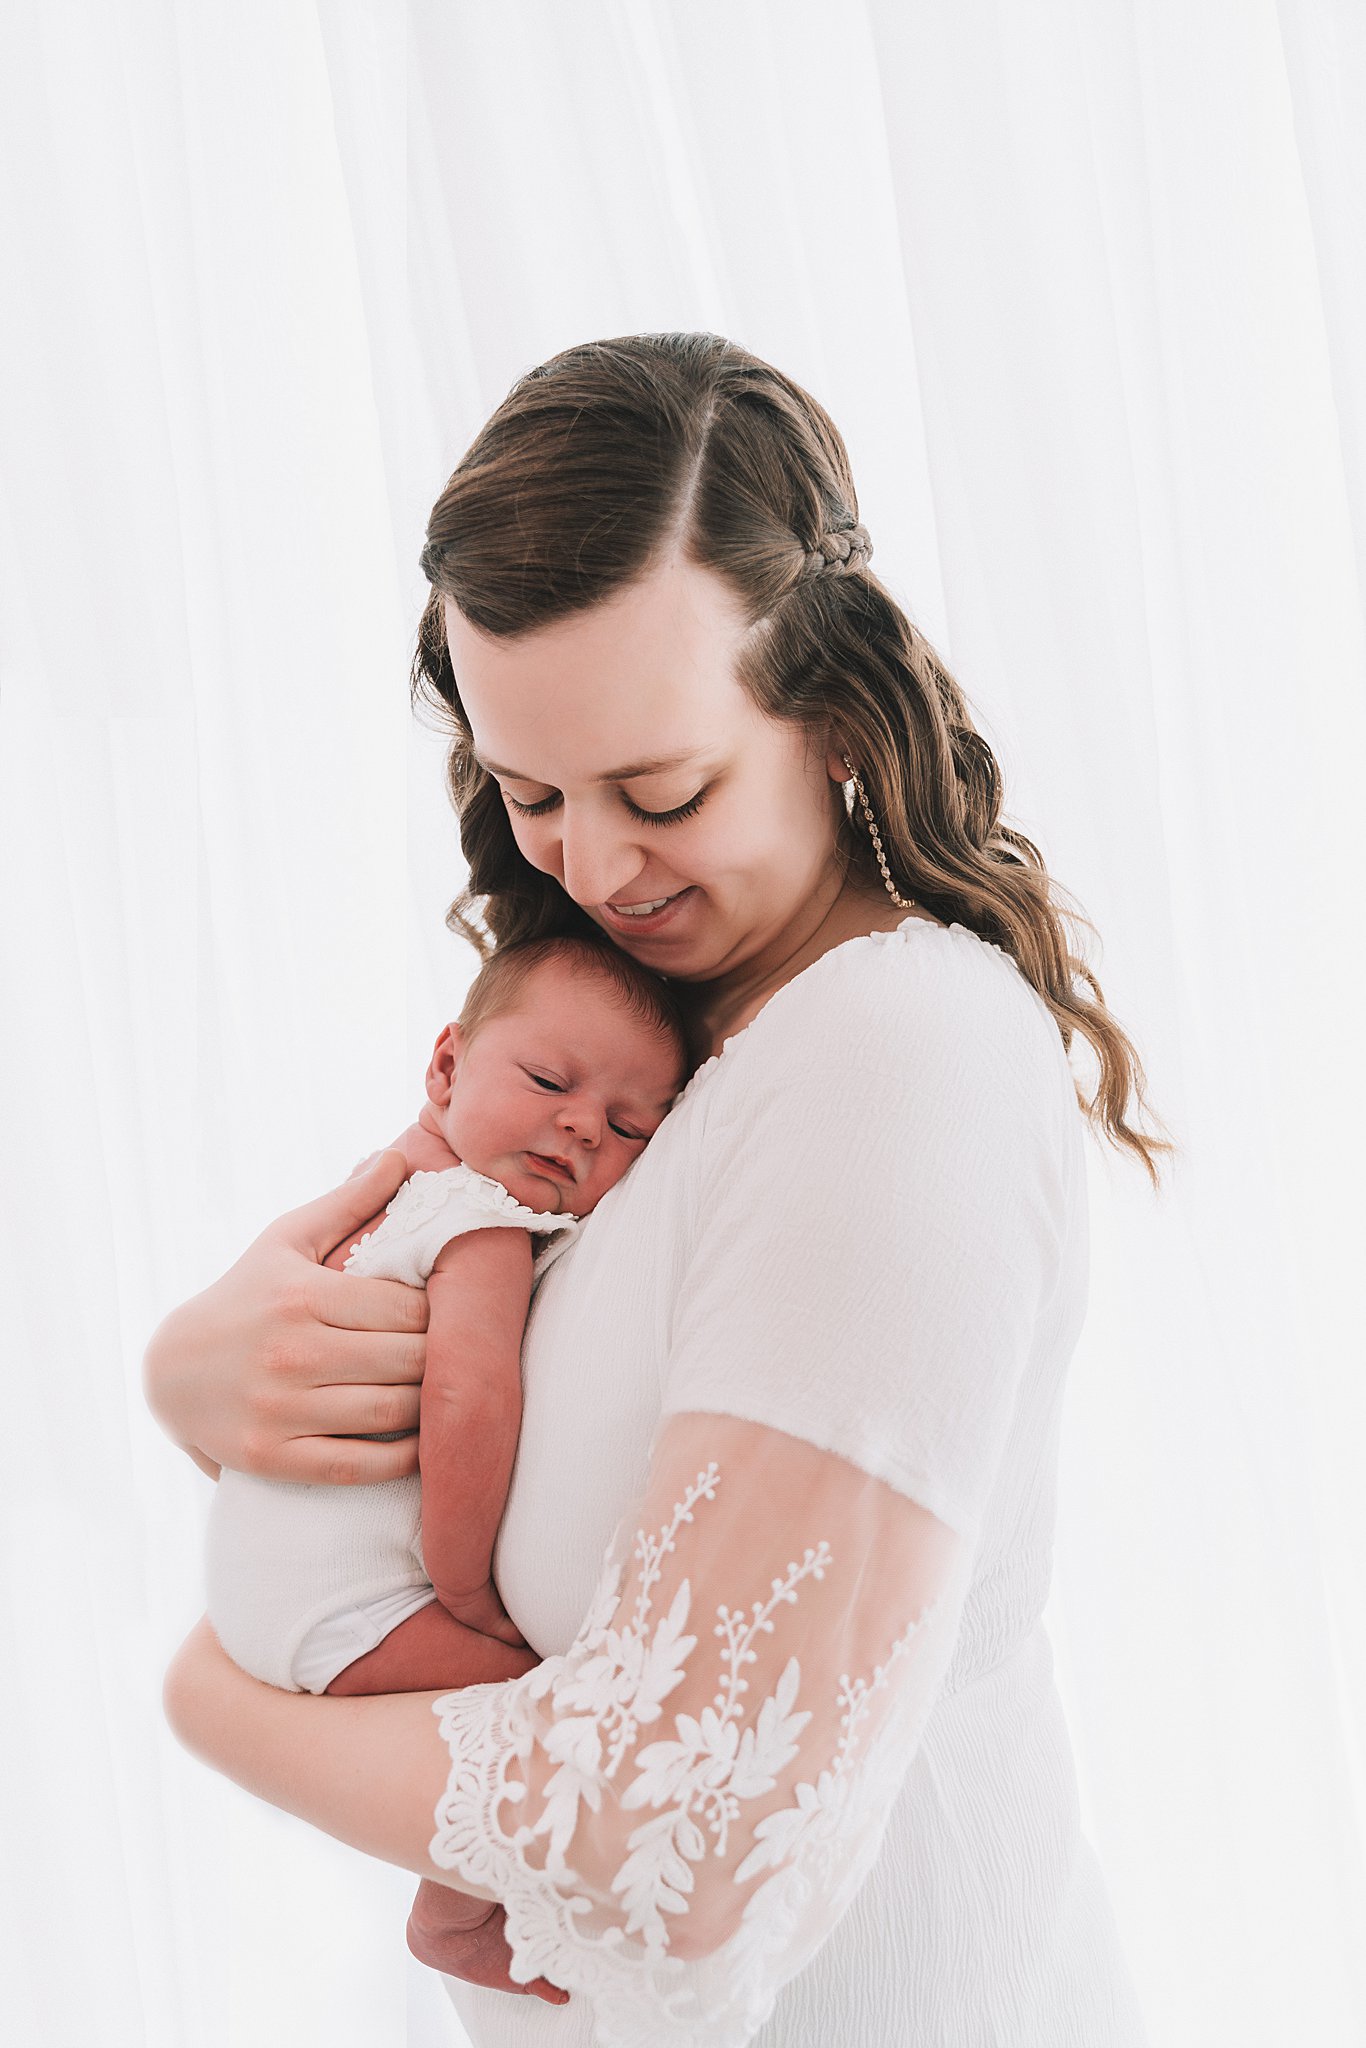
(780, 1526)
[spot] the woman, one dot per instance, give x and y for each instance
(781, 1521)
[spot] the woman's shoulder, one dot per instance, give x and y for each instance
(865, 998)
(924, 1054)
(925, 1020)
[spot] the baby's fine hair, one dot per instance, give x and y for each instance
(504, 974)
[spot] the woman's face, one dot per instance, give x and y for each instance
(637, 771)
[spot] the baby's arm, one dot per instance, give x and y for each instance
(478, 1294)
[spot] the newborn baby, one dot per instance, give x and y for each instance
(563, 1062)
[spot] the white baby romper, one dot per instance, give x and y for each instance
(301, 1579)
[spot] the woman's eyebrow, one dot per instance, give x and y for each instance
(651, 767)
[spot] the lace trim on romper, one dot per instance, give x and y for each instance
(405, 1231)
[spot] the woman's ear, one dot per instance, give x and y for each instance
(445, 1061)
(836, 766)
(825, 743)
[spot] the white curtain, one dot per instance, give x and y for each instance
(1082, 286)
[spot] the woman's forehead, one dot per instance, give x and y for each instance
(602, 691)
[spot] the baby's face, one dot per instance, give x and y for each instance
(557, 1096)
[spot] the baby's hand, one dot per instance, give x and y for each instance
(485, 1612)
(463, 1937)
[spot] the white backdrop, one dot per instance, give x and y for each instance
(1082, 286)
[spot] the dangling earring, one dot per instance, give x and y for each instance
(900, 901)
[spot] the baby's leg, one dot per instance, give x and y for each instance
(429, 1651)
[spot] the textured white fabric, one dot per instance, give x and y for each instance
(286, 1562)
(802, 1369)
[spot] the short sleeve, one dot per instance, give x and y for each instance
(886, 1176)
(432, 1208)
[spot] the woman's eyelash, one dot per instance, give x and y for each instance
(548, 803)
(664, 817)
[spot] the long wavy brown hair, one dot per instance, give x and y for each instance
(610, 454)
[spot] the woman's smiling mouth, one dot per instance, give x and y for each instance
(650, 914)
(640, 909)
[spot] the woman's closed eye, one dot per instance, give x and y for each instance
(548, 803)
(557, 1088)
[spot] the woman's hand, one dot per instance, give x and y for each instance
(275, 1366)
(463, 1937)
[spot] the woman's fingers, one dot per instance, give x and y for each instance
(353, 1301)
(318, 1227)
(326, 1422)
(280, 1366)
(342, 1460)
(320, 1381)
(364, 1409)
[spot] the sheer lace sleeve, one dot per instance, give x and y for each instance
(677, 1811)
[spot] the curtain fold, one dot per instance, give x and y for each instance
(1082, 288)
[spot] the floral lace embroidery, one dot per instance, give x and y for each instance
(611, 1684)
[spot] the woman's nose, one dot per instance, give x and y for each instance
(594, 866)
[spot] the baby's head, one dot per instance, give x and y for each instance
(561, 1065)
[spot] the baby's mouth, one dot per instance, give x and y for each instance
(552, 1168)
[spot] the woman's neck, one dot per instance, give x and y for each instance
(725, 1005)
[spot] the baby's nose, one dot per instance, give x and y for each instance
(583, 1119)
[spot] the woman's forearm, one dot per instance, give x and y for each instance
(368, 1771)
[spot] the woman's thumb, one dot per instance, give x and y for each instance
(321, 1224)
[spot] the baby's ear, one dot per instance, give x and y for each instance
(445, 1060)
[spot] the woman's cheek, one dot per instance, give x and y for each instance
(533, 845)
